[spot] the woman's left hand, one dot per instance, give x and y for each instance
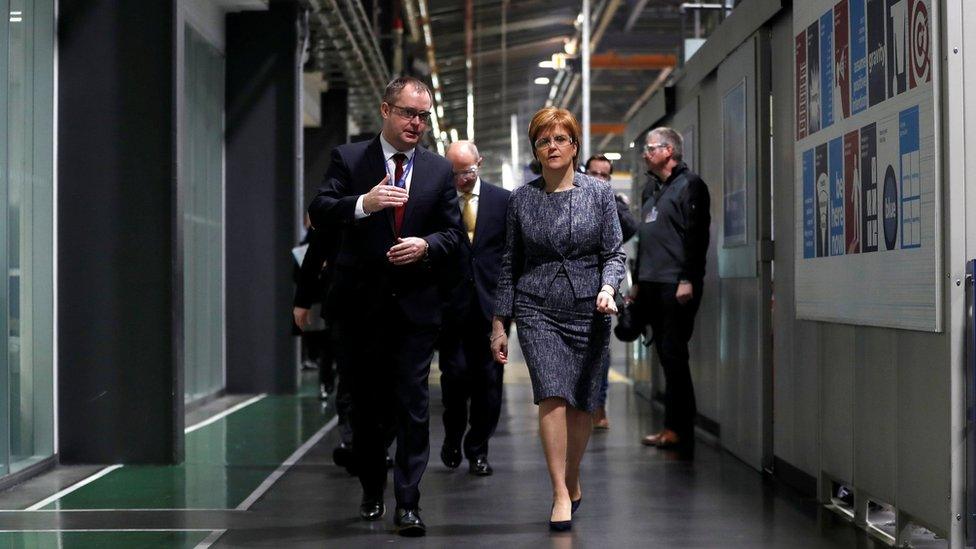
(605, 303)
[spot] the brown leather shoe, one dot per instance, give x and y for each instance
(664, 439)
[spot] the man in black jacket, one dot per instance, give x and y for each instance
(673, 242)
(471, 380)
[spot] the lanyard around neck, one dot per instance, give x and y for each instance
(402, 183)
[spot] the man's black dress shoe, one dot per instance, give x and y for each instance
(480, 467)
(372, 509)
(451, 456)
(407, 523)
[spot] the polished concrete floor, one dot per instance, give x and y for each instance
(633, 497)
(262, 476)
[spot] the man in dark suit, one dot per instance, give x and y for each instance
(398, 212)
(471, 381)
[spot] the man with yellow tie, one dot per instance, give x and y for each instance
(471, 381)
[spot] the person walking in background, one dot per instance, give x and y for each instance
(673, 242)
(471, 380)
(397, 206)
(601, 168)
(311, 281)
(560, 271)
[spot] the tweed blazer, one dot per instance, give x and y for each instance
(531, 262)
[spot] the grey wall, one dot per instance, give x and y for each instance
(866, 406)
(117, 362)
(263, 140)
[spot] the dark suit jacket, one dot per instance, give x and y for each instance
(312, 279)
(531, 262)
(363, 276)
(479, 262)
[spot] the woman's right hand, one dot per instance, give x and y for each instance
(499, 348)
(499, 341)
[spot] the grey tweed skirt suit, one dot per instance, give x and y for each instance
(560, 249)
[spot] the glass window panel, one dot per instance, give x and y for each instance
(28, 242)
(203, 275)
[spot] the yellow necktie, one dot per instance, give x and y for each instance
(467, 215)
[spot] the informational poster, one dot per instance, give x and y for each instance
(801, 85)
(734, 166)
(842, 72)
(867, 199)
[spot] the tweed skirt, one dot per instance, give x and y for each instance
(564, 341)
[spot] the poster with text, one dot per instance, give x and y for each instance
(835, 151)
(896, 21)
(842, 72)
(877, 90)
(888, 180)
(827, 70)
(734, 166)
(852, 193)
(859, 57)
(809, 207)
(822, 194)
(866, 196)
(801, 84)
(813, 78)
(869, 188)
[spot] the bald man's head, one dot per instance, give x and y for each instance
(465, 151)
(466, 162)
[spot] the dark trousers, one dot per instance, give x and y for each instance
(319, 347)
(471, 383)
(389, 358)
(672, 324)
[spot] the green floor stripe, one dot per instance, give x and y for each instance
(100, 540)
(225, 461)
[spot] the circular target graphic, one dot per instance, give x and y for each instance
(890, 208)
(920, 41)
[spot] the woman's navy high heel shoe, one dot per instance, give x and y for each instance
(576, 504)
(560, 525)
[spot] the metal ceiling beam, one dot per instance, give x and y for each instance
(524, 25)
(635, 14)
(637, 62)
(520, 50)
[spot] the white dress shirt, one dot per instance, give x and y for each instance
(388, 152)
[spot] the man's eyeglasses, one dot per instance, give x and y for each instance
(649, 147)
(599, 175)
(557, 140)
(469, 173)
(409, 114)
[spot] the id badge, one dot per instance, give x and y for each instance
(651, 215)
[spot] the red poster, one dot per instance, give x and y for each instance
(801, 85)
(920, 40)
(842, 65)
(852, 193)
